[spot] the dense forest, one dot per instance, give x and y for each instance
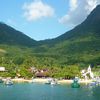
(64, 56)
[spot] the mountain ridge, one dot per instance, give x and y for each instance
(79, 45)
(81, 28)
(11, 36)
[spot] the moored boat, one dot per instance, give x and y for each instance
(96, 82)
(8, 82)
(1, 81)
(75, 83)
(51, 81)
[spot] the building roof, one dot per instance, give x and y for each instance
(2, 68)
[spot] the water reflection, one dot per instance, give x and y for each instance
(48, 92)
(96, 93)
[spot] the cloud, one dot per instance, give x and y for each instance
(78, 11)
(73, 5)
(37, 10)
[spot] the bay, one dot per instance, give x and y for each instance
(33, 91)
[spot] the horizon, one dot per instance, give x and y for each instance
(45, 19)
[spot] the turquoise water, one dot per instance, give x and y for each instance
(31, 91)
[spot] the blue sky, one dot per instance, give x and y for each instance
(45, 19)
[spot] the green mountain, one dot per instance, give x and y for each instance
(87, 28)
(80, 45)
(10, 36)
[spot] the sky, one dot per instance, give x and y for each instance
(45, 19)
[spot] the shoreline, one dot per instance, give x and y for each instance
(41, 80)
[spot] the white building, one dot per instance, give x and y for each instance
(2, 69)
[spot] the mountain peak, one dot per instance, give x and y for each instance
(94, 16)
(98, 6)
(9, 35)
(92, 22)
(90, 26)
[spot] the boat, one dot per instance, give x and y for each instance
(48, 82)
(51, 81)
(1, 81)
(75, 83)
(95, 82)
(8, 82)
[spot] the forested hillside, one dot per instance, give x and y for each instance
(79, 47)
(10, 36)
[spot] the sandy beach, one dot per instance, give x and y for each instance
(44, 80)
(19, 80)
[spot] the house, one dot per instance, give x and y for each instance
(42, 73)
(33, 69)
(2, 69)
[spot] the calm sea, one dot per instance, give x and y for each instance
(31, 91)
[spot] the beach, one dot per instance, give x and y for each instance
(44, 80)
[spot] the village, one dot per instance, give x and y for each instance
(43, 76)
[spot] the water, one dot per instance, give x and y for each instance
(31, 91)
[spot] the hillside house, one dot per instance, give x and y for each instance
(2, 69)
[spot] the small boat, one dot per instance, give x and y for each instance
(51, 81)
(8, 82)
(75, 83)
(48, 82)
(95, 82)
(1, 81)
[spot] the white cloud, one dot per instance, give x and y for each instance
(91, 4)
(36, 10)
(78, 11)
(73, 5)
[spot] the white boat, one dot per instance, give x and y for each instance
(96, 82)
(48, 82)
(1, 80)
(51, 81)
(8, 82)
